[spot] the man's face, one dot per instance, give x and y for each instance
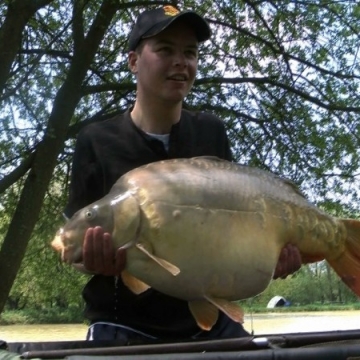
(166, 64)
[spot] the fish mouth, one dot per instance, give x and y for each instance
(69, 253)
(57, 243)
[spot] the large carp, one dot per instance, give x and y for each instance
(210, 232)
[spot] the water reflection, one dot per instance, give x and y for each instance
(56, 332)
(270, 323)
(279, 323)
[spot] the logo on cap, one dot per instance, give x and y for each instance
(170, 10)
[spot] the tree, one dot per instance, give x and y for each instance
(284, 76)
(47, 150)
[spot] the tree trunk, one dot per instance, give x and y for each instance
(38, 179)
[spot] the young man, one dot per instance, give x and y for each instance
(163, 56)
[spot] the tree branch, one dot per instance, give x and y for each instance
(281, 51)
(11, 178)
(77, 24)
(18, 14)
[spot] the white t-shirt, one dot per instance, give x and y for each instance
(164, 138)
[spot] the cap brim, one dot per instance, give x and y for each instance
(200, 26)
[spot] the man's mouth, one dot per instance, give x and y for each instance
(179, 77)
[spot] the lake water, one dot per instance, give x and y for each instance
(269, 323)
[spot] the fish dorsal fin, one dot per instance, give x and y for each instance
(133, 283)
(204, 313)
(172, 269)
(232, 310)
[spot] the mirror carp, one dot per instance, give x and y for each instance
(210, 232)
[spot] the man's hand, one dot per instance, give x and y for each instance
(288, 263)
(99, 255)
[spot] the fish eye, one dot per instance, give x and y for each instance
(90, 214)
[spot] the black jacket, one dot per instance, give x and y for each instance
(105, 151)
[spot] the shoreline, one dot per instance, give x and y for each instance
(61, 316)
(258, 324)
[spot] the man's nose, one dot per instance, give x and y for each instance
(180, 60)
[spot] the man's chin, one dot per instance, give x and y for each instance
(174, 99)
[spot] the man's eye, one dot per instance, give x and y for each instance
(191, 53)
(165, 49)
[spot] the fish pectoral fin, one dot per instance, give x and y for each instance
(204, 313)
(231, 309)
(172, 269)
(134, 284)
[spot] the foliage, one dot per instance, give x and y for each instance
(71, 315)
(250, 308)
(283, 75)
(312, 284)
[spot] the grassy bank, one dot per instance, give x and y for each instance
(75, 315)
(43, 316)
(299, 308)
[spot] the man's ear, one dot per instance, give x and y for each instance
(132, 61)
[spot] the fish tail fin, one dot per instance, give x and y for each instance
(347, 266)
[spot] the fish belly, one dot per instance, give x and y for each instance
(221, 253)
(223, 225)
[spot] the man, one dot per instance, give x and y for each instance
(163, 56)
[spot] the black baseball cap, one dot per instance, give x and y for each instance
(152, 22)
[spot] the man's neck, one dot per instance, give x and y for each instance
(155, 118)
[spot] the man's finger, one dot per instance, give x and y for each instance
(88, 249)
(108, 255)
(295, 259)
(98, 255)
